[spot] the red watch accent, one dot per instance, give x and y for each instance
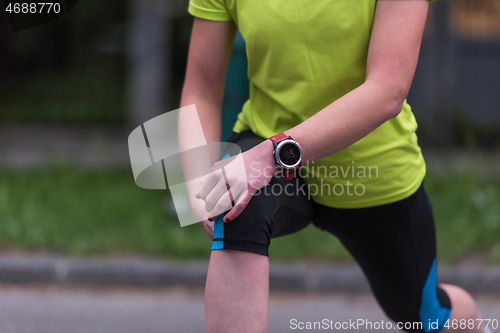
(287, 174)
(279, 137)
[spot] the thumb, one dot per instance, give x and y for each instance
(240, 205)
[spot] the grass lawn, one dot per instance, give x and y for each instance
(80, 211)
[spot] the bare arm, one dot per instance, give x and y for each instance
(209, 52)
(392, 59)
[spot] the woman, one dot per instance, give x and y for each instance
(331, 78)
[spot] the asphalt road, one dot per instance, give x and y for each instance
(56, 310)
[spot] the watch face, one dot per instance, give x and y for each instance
(289, 154)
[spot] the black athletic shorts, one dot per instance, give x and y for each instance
(394, 244)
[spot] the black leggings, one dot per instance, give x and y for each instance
(394, 244)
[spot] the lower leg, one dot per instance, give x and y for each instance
(237, 292)
(463, 307)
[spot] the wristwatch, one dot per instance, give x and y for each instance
(287, 153)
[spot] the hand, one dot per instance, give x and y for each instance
(209, 228)
(198, 209)
(237, 178)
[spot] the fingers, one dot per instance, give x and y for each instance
(208, 184)
(214, 196)
(214, 218)
(223, 204)
(209, 228)
(242, 203)
(226, 200)
(219, 189)
(217, 193)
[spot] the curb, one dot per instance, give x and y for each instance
(139, 272)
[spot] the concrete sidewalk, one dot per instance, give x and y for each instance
(178, 310)
(145, 272)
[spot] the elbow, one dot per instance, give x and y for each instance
(394, 101)
(392, 95)
(394, 107)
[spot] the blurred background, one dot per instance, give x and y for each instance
(72, 89)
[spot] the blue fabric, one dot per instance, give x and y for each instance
(218, 243)
(431, 309)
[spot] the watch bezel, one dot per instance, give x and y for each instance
(277, 154)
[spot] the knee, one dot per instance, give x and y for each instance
(240, 263)
(431, 315)
(464, 306)
(245, 258)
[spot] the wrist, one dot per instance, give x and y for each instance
(265, 152)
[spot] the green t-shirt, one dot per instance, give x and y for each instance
(302, 56)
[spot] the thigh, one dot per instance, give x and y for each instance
(280, 208)
(395, 246)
